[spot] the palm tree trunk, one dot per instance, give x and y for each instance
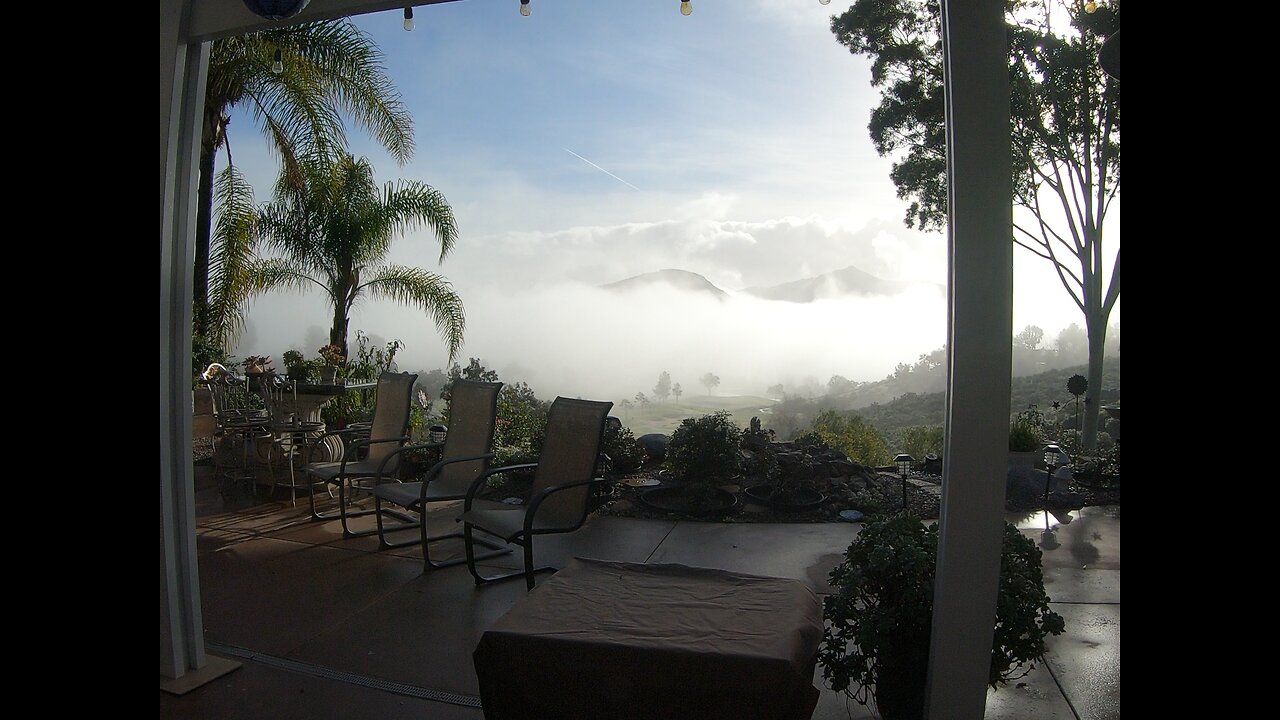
(338, 333)
(204, 230)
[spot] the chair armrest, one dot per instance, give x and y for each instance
(544, 493)
(365, 442)
(479, 481)
(382, 467)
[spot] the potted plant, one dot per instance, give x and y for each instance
(257, 365)
(1026, 436)
(332, 356)
(295, 365)
(876, 643)
(702, 455)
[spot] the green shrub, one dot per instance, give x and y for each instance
(620, 445)
(849, 434)
(1026, 432)
(705, 450)
(921, 440)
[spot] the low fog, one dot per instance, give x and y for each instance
(536, 312)
(579, 340)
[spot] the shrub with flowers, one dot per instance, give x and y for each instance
(332, 354)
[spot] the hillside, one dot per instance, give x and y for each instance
(677, 279)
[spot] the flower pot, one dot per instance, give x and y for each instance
(900, 685)
(328, 374)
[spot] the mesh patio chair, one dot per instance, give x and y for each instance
(239, 422)
(464, 454)
(363, 457)
(562, 480)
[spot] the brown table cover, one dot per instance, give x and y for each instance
(623, 640)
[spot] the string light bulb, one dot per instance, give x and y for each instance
(1091, 7)
(277, 64)
(686, 7)
(408, 18)
(824, 2)
(524, 8)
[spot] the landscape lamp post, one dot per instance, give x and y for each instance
(903, 461)
(1053, 459)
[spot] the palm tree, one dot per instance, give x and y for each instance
(334, 228)
(330, 69)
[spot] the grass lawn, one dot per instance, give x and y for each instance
(665, 417)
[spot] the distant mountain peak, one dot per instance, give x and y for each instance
(678, 279)
(837, 283)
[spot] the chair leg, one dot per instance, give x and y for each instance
(347, 532)
(496, 549)
(527, 573)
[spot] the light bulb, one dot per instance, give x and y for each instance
(408, 18)
(824, 2)
(277, 65)
(1090, 6)
(524, 8)
(686, 7)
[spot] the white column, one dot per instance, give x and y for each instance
(183, 68)
(979, 355)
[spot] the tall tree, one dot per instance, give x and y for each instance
(328, 70)
(677, 391)
(711, 380)
(334, 230)
(1065, 127)
(663, 389)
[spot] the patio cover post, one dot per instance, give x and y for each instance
(183, 69)
(979, 355)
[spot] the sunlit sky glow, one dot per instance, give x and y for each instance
(593, 141)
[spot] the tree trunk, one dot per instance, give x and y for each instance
(204, 231)
(1097, 328)
(338, 333)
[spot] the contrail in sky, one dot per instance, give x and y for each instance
(606, 172)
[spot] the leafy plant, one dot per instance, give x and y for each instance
(879, 619)
(619, 443)
(853, 436)
(332, 354)
(921, 440)
(1026, 432)
(704, 450)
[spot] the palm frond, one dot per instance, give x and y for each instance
(427, 291)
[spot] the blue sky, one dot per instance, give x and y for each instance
(731, 143)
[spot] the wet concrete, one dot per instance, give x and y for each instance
(278, 585)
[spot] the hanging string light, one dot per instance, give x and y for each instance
(1091, 7)
(824, 2)
(524, 8)
(277, 63)
(686, 7)
(408, 18)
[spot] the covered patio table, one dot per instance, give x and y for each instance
(623, 640)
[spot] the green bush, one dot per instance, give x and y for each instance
(921, 440)
(849, 434)
(879, 618)
(619, 443)
(705, 450)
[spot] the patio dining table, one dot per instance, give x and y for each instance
(624, 640)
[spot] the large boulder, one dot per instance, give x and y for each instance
(655, 447)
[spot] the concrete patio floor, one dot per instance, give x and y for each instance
(326, 627)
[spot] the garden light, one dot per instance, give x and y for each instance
(903, 461)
